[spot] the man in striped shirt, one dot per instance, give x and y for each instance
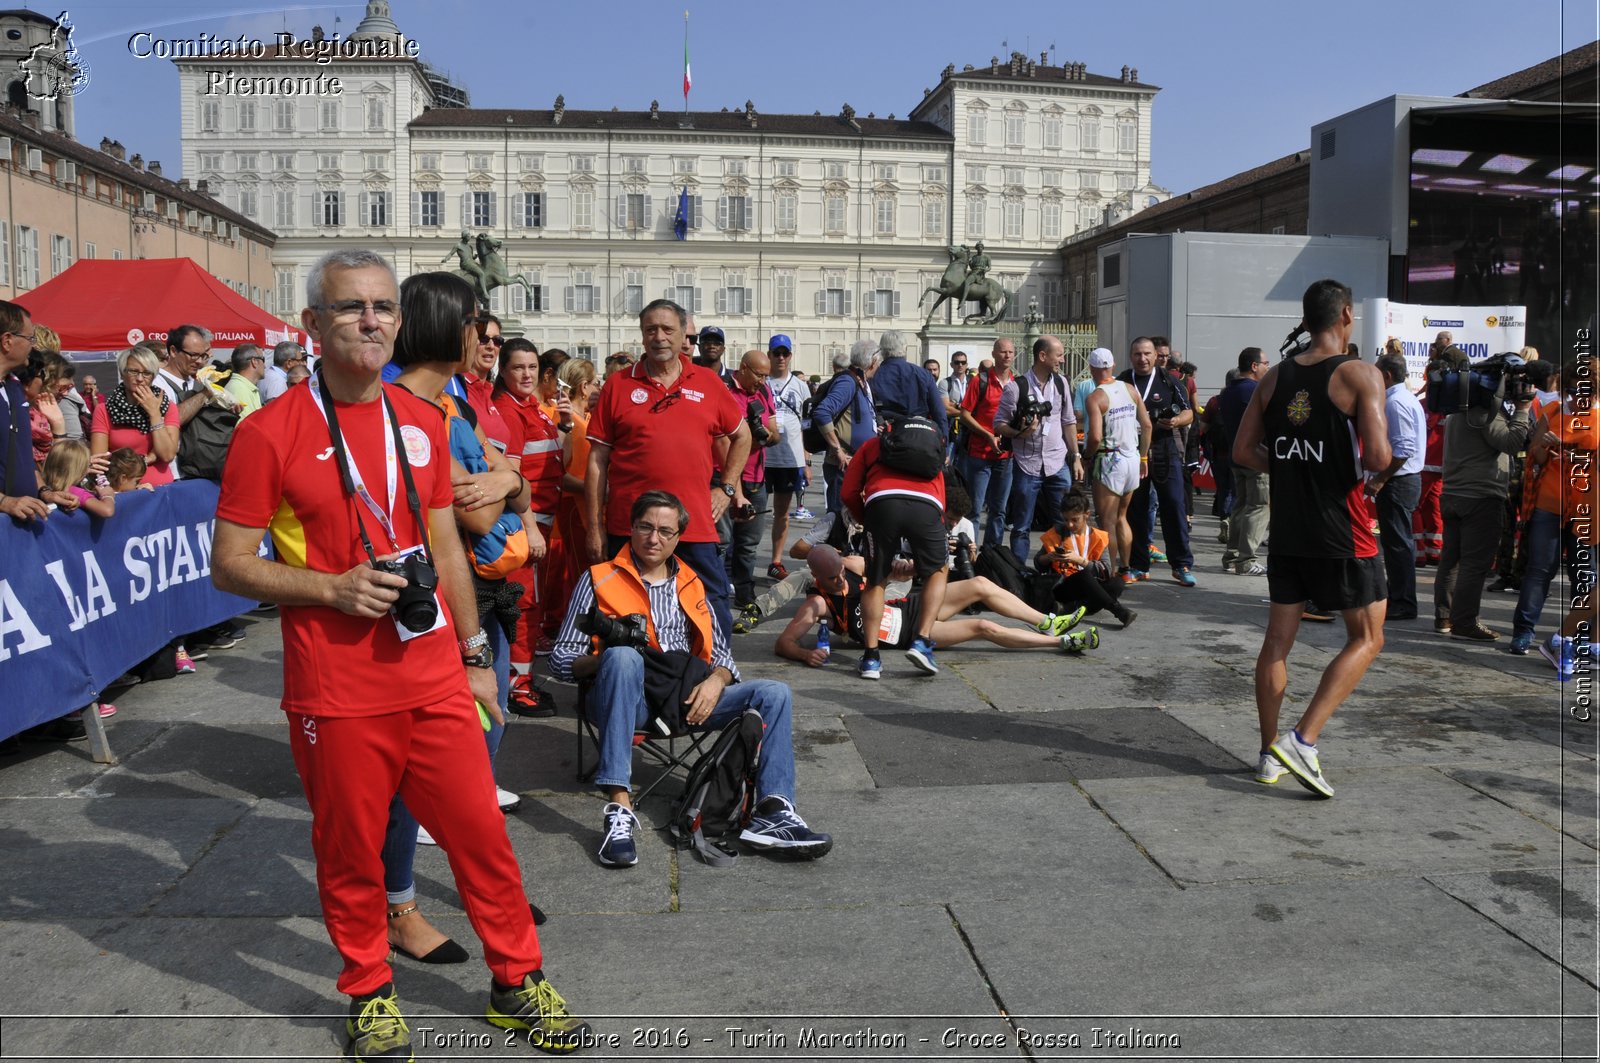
(646, 581)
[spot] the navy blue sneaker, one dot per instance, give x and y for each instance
(921, 655)
(871, 668)
(783, 833)
(617, 848)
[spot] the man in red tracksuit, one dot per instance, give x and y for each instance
(896, 507)
(379, 702)
(1428, 523)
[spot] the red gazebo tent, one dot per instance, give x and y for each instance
(109, 305)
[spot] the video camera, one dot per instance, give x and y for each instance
(1503, 378)
(631, 631)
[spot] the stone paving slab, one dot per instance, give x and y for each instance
(894, 848)
(1393, 821)
(961, 749)
(101, 856)
(261, 866)
(1553, 911)
(1373, 949)
(1560, 795)
(235, 760)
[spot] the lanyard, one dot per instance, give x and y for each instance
(355, 483)
(1144, 396)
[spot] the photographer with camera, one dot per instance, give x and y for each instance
(1167, 402)
(740, 527)
(352, 478)
(1036, 414)
(646, 587)
(1479, 440)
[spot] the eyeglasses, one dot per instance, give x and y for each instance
(22, 335)
(666, 534)
(141, 374)
(348, 310)
(666, 400)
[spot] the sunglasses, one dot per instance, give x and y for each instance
(693, 337)
(494, 341)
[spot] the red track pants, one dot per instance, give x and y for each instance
(1428, 523)
(434, 757)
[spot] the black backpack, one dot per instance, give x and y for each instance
(1000, 565)
(721, 787)
(811, 436)
(913, 445)
(203, 442)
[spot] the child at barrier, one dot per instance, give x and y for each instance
(125, 471)
(71, 480)
(68, 482)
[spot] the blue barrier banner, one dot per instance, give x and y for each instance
(82, 600)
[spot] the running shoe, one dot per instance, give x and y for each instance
(1141, 575)
(540, 1013)
(921, 655)
(1076, 642)
(777, 571)
(1157, 556)
(376, 1028)
(1521, 644)
(1254, 568)
(617, 848)
(782, 832)
(1060, 623)
(870, 668)
(801, 513)
(1184, 576)
(1269, 771)
(107, 710)
(185, 662)
(1302, 762)
(509, 802)
(1558, 651)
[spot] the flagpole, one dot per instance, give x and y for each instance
(686, 63)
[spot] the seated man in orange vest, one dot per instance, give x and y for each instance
(645, 580)
(1077, 552)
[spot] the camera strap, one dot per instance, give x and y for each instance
(355, 486)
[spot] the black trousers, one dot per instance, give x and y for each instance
(1095, 595)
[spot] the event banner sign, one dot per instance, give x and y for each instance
(82, 599)
(1480, 331)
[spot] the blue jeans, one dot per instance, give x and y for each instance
(1546, 538)
(832, 481)
(1025, 496)
(990, 484)
(618, 708)
(400, 839)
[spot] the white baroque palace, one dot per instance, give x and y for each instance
(827, 227)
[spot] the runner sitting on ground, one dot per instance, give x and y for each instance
(836, 597)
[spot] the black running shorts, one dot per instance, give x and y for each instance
(1333, 583)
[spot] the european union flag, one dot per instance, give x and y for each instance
(680, 224)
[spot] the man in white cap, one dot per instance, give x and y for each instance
(1117, 440)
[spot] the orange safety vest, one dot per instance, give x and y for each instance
(1097, 542)
(619, 591)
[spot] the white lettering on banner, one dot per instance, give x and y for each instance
(97, 600)
(179, 565)
(14, 619)
(138, 568)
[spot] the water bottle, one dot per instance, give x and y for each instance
(822, 639)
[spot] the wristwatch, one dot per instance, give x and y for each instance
(727, 489)
(484, 658)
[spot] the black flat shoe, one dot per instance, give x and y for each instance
(538, 914)
(445, 952)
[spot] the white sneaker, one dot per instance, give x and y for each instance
(1302, 762)
(423, 837)
(1269, 771)
(509, 802)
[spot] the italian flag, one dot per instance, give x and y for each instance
(686, 79)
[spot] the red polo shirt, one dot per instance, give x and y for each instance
(661, 439)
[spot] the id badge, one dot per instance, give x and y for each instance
(405, 633)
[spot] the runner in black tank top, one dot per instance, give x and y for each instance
(1316, 422)
(1318, 507)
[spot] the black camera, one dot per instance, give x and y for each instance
(961, 558)
(753, 411)
(417, 609)
(1031, 409)
(1483, 386)
(631, 630)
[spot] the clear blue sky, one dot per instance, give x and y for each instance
(1242, 81)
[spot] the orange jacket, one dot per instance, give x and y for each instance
(618, 591)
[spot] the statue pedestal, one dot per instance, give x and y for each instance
(511, 325)
(940, 341)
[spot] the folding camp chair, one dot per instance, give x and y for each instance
(670, 753)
